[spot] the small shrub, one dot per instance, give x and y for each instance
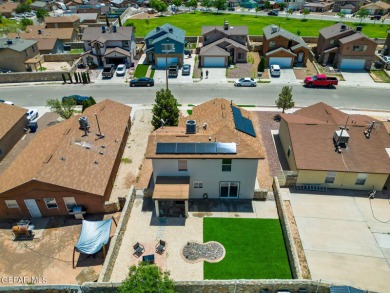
(126, 161)
(261, 66)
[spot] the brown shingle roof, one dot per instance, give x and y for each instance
(217, 48)
(218, 115)
(62, 19)
(8, 7)
(46, 44)
(232, 31)
(334, 30)
(9, 116)
(377, 5)
(354, 37)
(311, 130)
(61, 155)
(31, 32)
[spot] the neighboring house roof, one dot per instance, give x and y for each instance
(377, 5)
(32, 32)
(216, 48)
(10, 115)
(62, 19)
(270, 53)
(61, 155)
(312, 128)
(87, 16)
(18, 45)
(8, 7)
(319, 5)
(117, 2)
(46, 44)
(267, 32)
(167, 30)
(123, 33)
(39, 4)
(334, 30)
(118, 50)
(347, 6)
(354, 37)
(231, 31)
(218, 115)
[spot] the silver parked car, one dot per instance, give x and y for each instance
(186, 70)
(245, 81)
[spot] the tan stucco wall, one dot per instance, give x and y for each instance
(284, 136)
(344, 180)
(14, 61)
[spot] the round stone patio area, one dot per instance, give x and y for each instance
(211, 251)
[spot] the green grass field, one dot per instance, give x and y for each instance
(192, 23)
(141, 70)
(254, 249)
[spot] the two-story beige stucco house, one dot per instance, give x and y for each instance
(329, 148)
(221, 43)
(283, 48)
(15, 52)
(109, 45)
(345, 48)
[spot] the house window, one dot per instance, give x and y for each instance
(332, 42)
(150, 41)
(198, 184)
(182, 165)
(289, 152)
(226, 165)
(1, 152)
(12, 204)
(271, 44)
(361, 179)
(330, 177)
(89, 43)
(25, 51)
(359, 48)
(125, 43)
(167, 47)
(206, 38)
(240, 55)
(51, 203)
(70, 203)
(33, 48)
(229, 189)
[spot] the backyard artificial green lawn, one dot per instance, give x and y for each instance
(192, 24)
(141, 70)
(254, 249)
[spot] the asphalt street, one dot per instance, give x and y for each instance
(263, 95)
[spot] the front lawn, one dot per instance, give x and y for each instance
(192, 24)
(380, 76)
(254, 249)
(141, 70)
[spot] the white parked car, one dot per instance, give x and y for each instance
(245, 81)
(121, 70)
(275, 70)
(387, 59)
(6, 102)
(32, 114)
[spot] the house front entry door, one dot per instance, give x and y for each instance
(33, 208)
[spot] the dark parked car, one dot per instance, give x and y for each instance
(273, 12)
(143, 81)
(231, 9)
(77, 98)
(186, 70)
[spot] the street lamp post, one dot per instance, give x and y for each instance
(166, 66)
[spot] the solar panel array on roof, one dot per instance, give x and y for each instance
(242, 124)
(196, 148)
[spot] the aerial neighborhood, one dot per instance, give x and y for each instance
(195, 146)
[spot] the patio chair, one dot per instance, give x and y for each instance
(138, 249)
(160, 247)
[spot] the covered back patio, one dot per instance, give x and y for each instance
(171, 195)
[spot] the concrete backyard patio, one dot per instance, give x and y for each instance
(145, 228)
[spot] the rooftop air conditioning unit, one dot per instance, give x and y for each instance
(191, 126)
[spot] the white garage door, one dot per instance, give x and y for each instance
(283, 62)
(214, 62)
(161, 61)
(355, 64)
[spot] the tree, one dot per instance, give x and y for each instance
(219, 4)
(305, 12)
(362, 14)
(341, 15)
(177, 3)
(146, 278)
(192, 4)
(165, 109)
(88, 103)
(261, 66)
(207, 3)
(285, 100)
(160, 6)
(23, 7)
(119, 20)
(25, 22)
(267, 5)
(290, 11)
(65, 109)
(147, 22)
(282, 5)
(257, 10)
(41, 14)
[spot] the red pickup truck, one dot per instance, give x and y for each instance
(321, 80)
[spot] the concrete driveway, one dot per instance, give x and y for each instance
(343, 242)
(159, 74)
(286, 76)
(216, 75)
(358, 77)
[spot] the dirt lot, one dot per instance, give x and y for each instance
(49, 257)
(245, 69)
(308, 70)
